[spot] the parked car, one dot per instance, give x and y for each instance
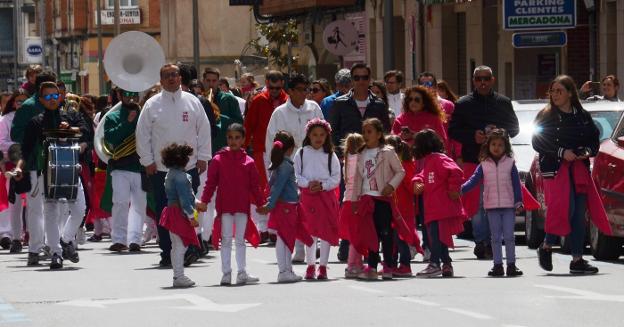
(606, 115)
(608, 174)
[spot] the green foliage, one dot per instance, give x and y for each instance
(278, 35)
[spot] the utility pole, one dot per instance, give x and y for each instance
(195, 34)
(100, 48)
(117, 16)
(16, 8)
(388, 40)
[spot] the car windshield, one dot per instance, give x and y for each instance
(605, 121)
(525, 120)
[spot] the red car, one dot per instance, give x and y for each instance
(606, 115)
(608, 174)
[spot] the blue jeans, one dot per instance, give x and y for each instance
(439, 251)
(578, 206)
(480, 224)
(502, 222)
(160, 198)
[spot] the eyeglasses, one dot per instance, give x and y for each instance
(482, 78)
(315, 90)
(170, 75)
(129, 94)
(415, 99)
(51, 96)
(360, 77)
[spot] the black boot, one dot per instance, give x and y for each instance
(33, 259)
(56, 262)
(16, 247)
(582, 267)
(513, 271)
(69, 252)
(545, 258)
(497, 270)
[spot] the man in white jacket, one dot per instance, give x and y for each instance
(172, 116)
(292, 117)
(394, 81)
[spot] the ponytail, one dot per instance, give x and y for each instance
(282, 143)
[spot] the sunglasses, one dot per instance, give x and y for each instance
(415, 99)
(427, 84)
(315, 90)
(170, 75)
(51, 96)
(483, 78)
(360, 77)
(129, 94)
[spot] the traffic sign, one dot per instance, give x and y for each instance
(540, 40)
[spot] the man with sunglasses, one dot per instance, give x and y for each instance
(60, 230)
(172, 116)
(350, 110)
(475, 114)
(129, 194)
(257, 117)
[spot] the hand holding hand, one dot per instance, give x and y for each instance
(201, 207)
(419, 188)
(194, 223)
(387, 190)
(263, 210)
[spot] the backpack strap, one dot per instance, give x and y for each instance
(329, 163)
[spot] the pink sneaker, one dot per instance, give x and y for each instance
(311, 272)
(386, 273)
(403, 271)
(368, 274)
(353, 272)
(322, 273)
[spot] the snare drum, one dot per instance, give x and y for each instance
(63, 171)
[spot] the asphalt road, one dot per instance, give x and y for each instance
(107, 289)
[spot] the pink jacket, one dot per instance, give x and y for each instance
(389, 170)
(497, 185)
(236, 176)
(440, 175)
(419, 121)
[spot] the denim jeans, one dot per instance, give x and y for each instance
(439, 251)
(160, 198)
(502, 223)
(480, 223)
(578, 206)
(382, 216)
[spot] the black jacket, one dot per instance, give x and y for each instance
(557, 131)
(33, 138)
(474, 112)
(345, 117)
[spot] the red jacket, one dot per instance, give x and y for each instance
(407, 205)
(419, 121)
(257, 118)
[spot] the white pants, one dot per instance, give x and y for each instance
(205, 219)
(5, 224)
(56, 216)
(177, 255)
(299, 247)
(230, 224)
(283, 256)
(311, 252)
(129, 204)
(16, 209)
(34, 213)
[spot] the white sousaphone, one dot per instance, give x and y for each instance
(132, 61)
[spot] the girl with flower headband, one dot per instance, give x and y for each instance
(317, 170)
(285, 219)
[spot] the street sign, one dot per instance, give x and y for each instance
(33, 50)
(540, 40)
(539, 14)
(340, 37)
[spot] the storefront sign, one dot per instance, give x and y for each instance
(539, 14)
(358, 55)
(126, 16)
(33, 50)
(540, 40)
(340, 37)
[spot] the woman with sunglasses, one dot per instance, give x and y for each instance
(11, 239)
(319, 90)
(420, 110)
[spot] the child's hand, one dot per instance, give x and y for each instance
(263, 210)
(519, 210)
(419, 188)
(454, 195)
(354, 207)
(194, 223)
(201, 207)
(387, 190)
(315, 186)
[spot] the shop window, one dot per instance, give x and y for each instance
(123, 4)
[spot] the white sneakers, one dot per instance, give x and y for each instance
(299, 256)
(226, 280)
(182, 282)
(288, 277)
(81, 236)
(244, 278)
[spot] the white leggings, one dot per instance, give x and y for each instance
(283, 256)
(230, 224)
(177, 255)
(311, 252)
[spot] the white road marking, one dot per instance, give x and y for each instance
(513, 326)
(264, 262)
(366, 289)
(418, 301)
(198, 303)
(581, 294)
(469, 313)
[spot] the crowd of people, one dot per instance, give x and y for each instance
(198, 164)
